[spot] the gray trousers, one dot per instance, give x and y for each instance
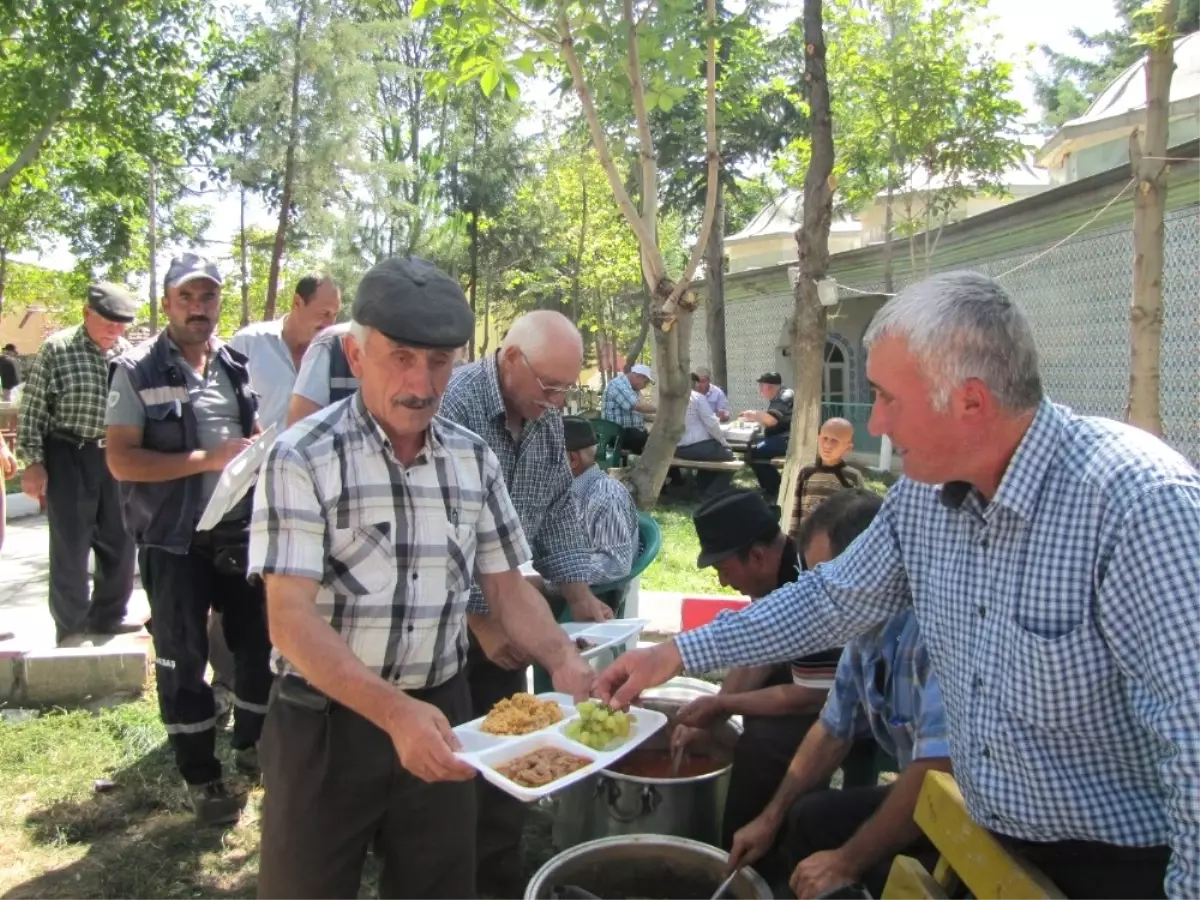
(712, 450)
(84, 511)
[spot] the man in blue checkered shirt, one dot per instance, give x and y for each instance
(1053, 562)
(624, 405)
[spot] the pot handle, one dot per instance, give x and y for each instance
(649, 799)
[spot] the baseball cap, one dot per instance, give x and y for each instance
(642, 369)
(190, 266)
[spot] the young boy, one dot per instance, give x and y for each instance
(831, 474)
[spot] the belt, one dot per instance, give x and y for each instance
(76, 441)
(295, 690)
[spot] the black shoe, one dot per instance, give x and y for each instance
(214, 803)
(246, 761)
(113, 628)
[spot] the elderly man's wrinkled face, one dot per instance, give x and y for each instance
(930, 442)
(768, 391)
(401, 385)
(104, 332)
(703, 383)
(541, 382)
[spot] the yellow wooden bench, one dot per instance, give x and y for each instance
(969, 854)
(731, 465)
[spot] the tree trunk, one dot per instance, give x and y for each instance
(31, 150)
(577, 276)
(715, 310)
(152, 241)
(808, 323)
(639, 343)
(487, 312)
(289, 171)
(473, 231)
(1149, 203)
(889, 248)
(4, 276)
(244, 254)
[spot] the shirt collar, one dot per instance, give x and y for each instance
(375, 435)
(1027, 470)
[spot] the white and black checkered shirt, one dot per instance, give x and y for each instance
(392, 547)
(1063, 621)
(536, 473)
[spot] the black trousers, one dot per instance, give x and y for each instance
(83, 508)
(634, 439)
(1089, 869)
(181, 589)
(759, 456)
(824, 820)
(334, 786)
(501, 818)
(708, 483)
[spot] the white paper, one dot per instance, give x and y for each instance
(237, 478)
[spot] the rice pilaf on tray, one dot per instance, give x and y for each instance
(521, 714)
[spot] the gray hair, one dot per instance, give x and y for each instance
(359, 332)
(962, 325)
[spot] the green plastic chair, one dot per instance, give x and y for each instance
(608, 443)
(613, 592)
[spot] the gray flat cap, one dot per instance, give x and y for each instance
(190, 267)
(112, 301)
(412, 301)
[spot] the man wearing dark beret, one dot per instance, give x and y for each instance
(776, 424)
(60, 436)
(372, 518)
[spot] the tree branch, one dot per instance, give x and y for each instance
(30, 151)
(645, 240)
(714, 163)
(645, 141)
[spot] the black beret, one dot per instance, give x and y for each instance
(770, 378)
(112, 302)
(412, 301)
(578, 433)
(731, 521)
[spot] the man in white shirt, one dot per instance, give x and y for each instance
(276, 348)
(704, 441)
(714, 395)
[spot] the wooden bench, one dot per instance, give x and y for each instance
(969, 855)
(732, 465)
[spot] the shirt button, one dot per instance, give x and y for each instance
(410, 627)
(986, 752)
(978, 681)
(414, 576)
(983, 542)
(982, 611)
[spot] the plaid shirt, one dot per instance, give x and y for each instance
(619, 401)
(611, 522)
(66, 391)
(885, 686)
(535, 472)
(1062, 622)
(392, 547)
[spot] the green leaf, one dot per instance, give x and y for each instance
(420, 8)
(488, 82)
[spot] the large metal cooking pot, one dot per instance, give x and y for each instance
(613, 803)
(646, 865)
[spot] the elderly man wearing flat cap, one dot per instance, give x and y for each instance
(372, 519)
(180, 408)
(61, 438)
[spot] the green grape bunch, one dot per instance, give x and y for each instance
(598, 726)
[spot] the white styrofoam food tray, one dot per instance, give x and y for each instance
(486, 751)
(606, 635)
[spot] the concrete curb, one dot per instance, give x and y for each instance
(20, 506)
(71, 676)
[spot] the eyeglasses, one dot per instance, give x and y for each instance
(550, 389)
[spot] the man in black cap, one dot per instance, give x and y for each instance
(372, 518)
(740, 537)
(60, 435)
(180, 409)
(10, 372)
(776, 425)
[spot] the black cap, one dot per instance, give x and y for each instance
(191, 266)
(12, 347)
(730, 522)
(578, 433)
(412, 301)
(112, 302)
(770, 378)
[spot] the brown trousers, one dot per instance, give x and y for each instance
(334, 786)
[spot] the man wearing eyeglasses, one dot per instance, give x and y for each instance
(513, 399)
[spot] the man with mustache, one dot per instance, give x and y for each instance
(513, 399)
(61, 438)
(372, 518)
(180, 408)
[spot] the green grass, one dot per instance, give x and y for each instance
(675, 568)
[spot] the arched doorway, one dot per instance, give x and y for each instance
(835, 380)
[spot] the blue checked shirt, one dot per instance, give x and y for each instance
(1063, 621)
(610, 518)
(885, 686)
(535, 471)
(392, 547)
(619, 401)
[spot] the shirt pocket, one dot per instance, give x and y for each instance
(460, 557)
(1061, 683)
(362, 560)
(163, 429)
